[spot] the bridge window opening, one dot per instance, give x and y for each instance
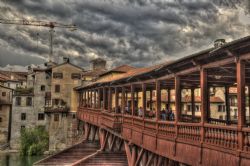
(127, 105)
(247, 92)
(150, 112)
(222, 92)
(190, 96)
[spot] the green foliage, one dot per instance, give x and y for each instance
(34, 141)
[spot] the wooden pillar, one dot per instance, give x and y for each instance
(91, 98)
(137, 98)
(99, 98)
(94, 98)
(240, 66)
(158, 99)
(84, 98)
(104, 98)
(177, 99)
(150, 99)
(88, 102)
(227, 104)
(204, 96)
(169, 98)
(116, 98)
(193, 103)
(132, 99)
(123, 100)
(110, 99)
(144, 103)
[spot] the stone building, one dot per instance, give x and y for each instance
(5, 114)
(62, 105)
(23, 114)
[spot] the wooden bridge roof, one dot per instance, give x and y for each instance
(193, 61)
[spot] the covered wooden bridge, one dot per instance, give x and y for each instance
(193, 111)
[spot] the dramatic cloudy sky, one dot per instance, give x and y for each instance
(136, 32)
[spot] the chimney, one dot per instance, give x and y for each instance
(219, 42)
(65, 59)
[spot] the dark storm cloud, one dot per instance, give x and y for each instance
(136, 32)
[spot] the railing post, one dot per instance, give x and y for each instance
(240, 66)
(132, 100)
(144, 106)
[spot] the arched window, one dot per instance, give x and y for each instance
(42, 87)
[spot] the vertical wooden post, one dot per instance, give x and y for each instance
(204, 102)
(88, 99)
(116, 98)
(94, 98)
(110, 99)
(177, 99)
(193, 103)
(104, 98)
(227, 104)
(144, 105)
(84, 98)
(91, 98)
(204, 96)
(123, 100)
(99, 98)
(169, 98)
(132, 99)
(150, 99)
(158, 99)
(240, 65)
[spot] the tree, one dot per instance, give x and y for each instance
(34, 141)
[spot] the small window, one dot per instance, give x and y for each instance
(3, 93)
(56, 101)
(40, 116)
(28, 101)
(57, 88)
(56, 117)
(42, 87)
(75, 75)
(1, 119)
(23, 116)
(18, 101)
(74, 116)
(58, 75)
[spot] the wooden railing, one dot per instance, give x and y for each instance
(212, 135)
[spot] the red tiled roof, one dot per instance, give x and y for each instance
(120, 69)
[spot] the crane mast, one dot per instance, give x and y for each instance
(50, 25)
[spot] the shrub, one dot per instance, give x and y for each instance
(34, 141)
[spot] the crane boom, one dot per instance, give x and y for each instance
(48, 24)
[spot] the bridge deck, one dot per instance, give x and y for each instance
(71, 155)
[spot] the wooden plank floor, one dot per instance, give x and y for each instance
(71, 155)
(106, 159)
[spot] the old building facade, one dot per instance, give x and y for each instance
(5, 114)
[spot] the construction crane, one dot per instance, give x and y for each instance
(50, 25)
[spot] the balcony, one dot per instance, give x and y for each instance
(59, 109)
(23, 91)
